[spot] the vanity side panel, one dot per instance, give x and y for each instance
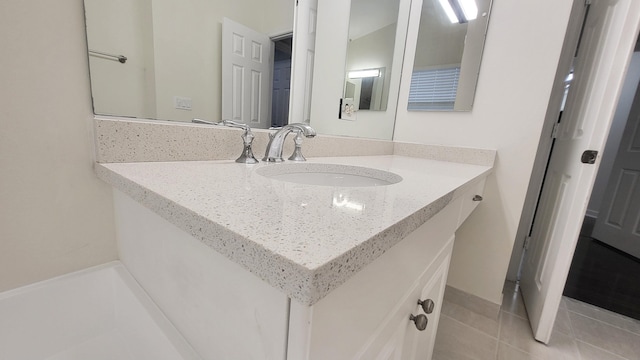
(344, 321)
(224, 311)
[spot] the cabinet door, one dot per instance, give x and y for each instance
(398, 338)
(391, 339)
(420, 345)
(392, 350)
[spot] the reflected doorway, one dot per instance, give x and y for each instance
(281, 84)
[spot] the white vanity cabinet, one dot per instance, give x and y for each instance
(225, 312)
(224, 298)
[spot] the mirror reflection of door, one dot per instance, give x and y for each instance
(281, 90)
(366, 90)
(256, 76)
(246, 75)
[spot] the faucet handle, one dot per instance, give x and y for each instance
(247, 154)
(229, 123)
(297, 152)
(200, 121)
(235, 124)
(247, 138)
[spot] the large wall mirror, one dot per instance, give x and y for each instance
(175, 53)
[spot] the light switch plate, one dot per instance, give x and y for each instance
(347, 109)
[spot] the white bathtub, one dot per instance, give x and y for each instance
(94, 314)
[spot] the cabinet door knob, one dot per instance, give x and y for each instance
(427, 305)
(421, 321)
(477, 198)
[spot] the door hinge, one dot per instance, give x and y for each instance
(527, 240)
(587, 2)
(554, 132)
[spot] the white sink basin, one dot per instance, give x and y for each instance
(329, 175)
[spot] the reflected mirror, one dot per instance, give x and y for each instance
(359, 53)
(448, 53)
(372, 30)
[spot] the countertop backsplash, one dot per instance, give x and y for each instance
(120, 140)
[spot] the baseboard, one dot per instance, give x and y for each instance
(472, 302)
(592, 213)
(588, 224)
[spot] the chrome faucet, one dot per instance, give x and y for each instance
(276, 141)
(247, 138)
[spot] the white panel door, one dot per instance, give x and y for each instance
(304, 44)
(618, 223)
(246, 75)
(605, 48)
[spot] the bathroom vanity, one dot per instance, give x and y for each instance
(249, 265)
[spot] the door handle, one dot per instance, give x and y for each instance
(589, 157)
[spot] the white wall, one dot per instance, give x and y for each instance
(517, 72)
(615, 135)
(55, 215)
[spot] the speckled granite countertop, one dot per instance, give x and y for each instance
(305, 240)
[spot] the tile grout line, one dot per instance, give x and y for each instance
(526, 318)
(603, 311)
(599, 348)
(470, 327)
(604, 322)
(519, 296)
(571, 329)
(499, 334)
(573, 334)
(516, 315)
(588, 343)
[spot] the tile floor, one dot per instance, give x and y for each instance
(582, 332)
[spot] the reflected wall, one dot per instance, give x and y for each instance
(173, 52)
